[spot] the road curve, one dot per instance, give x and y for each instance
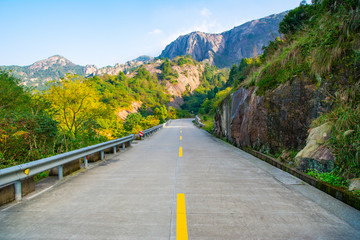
(229, 194)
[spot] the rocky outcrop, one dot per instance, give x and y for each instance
(189, 79)
(354, 184)
(199, 45)
(92, 70)
(49, 62)
(134, 108)
(278, 120)
(229, 47)
(316, 154)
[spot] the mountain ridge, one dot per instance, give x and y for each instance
(57, 66)
(229, 47)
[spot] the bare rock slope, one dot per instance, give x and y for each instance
(229, 47)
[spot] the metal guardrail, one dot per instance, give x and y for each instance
(149, 131)
(198, 121)
(20, 172)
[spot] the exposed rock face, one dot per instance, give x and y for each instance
(189, 79)
(126, 68)
(199, 45)
(135, 106)
(279, 119)
(49, 62)
(229, 47)
(316, 155)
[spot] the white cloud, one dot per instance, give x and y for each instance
(205, 12)
(156, 31)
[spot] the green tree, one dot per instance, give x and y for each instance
(12, 95)
(161, 113)
(26, 131)
(295, 19)
(133, 123)
(75, 104)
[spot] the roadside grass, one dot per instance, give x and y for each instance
(208, 121)
(332, 178)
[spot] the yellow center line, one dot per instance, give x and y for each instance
(181, 225)
(180, 137)
(180, 131)
(180, 152)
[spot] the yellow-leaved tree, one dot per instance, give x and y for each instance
(75, 104)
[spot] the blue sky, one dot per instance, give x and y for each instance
(106, 32)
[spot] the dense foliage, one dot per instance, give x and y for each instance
(204, 99)
(27, 131)
(76, 112)
(167, 73)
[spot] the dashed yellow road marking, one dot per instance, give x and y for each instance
(180, 137)
(181, 225)
(180, 131)
(180, 152)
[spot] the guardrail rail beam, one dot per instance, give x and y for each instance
(14, 175)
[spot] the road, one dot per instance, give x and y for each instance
(228, 193)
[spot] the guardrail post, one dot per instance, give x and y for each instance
(60, 172)
(123, 145)
(102, 155)
(114, 149)
(86, 162)
(18, 194)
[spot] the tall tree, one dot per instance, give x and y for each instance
(75, 103)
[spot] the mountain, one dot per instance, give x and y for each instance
(56, 67)
(229, 47)
(43, 71)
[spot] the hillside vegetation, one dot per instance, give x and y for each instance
(77, 112)
(320, 46)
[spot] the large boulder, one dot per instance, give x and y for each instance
(354, 184)
(316, 154)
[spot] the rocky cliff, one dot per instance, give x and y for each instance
(278, 120)
(229, 47)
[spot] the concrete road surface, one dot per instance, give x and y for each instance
(229, 194)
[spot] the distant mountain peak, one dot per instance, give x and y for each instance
(56, 56)
(225, 49)
(143, 58)
(49, 62)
